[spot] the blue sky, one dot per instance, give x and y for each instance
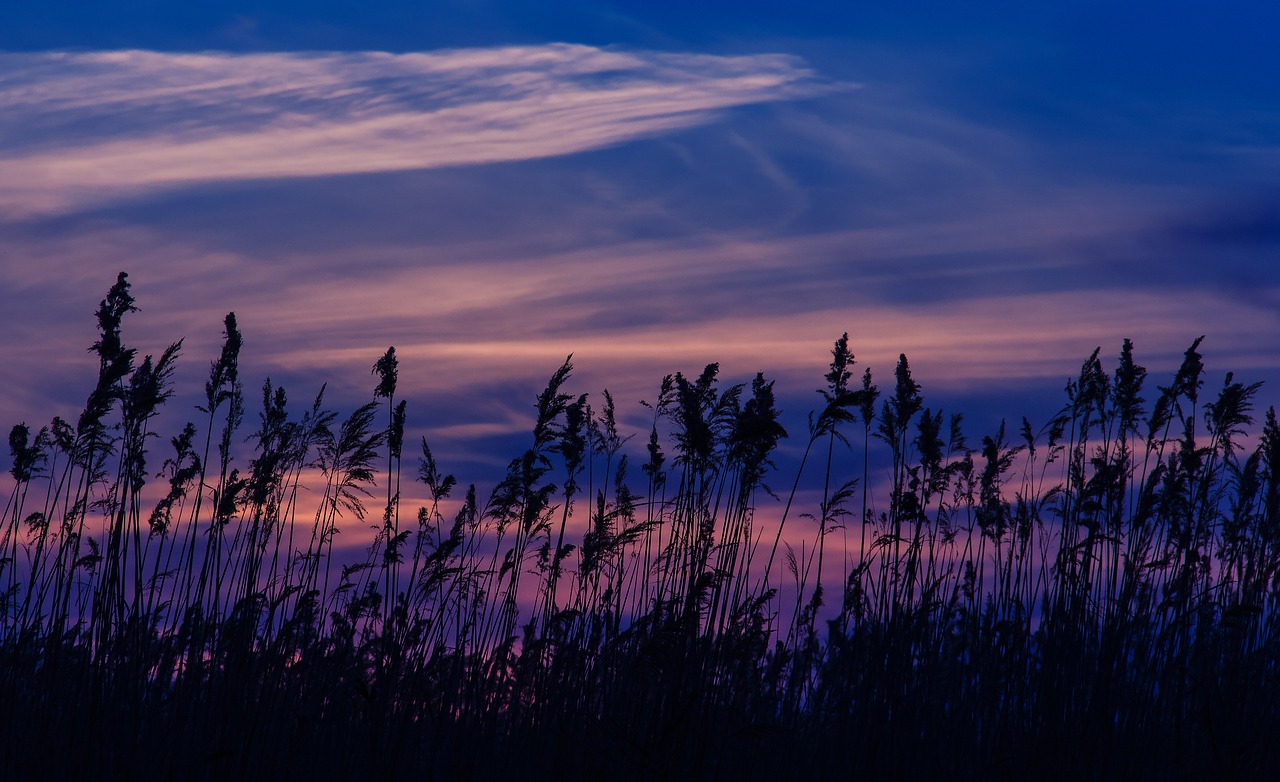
(992, 189)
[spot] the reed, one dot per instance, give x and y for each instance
(1095, 596)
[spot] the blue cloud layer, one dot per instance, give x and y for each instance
(648, 211)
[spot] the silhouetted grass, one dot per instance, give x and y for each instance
(1094, 597)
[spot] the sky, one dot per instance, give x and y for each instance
(991, 189)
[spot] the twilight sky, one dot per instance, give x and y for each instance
(489, 186)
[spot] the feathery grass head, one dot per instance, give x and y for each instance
(387, 370)
(1127, 389)
(898, 410)
(1227, 416)
(1190, 378)
(838, 375)
(26, 455)
(395, 436)
(429, 473)
(551, 404)
(224, 374)
(111, 311)
(756, 433)
(867, 396)
(839, 399)
(906, 392)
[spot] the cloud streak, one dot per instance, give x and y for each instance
(81, 128)
(977, 249)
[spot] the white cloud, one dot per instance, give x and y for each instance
(79, 128)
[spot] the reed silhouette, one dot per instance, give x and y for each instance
(1093, 597)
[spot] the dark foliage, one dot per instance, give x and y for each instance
(1093, 598)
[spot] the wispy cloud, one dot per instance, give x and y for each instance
(969, 245)
(78, 128)
(630, 313)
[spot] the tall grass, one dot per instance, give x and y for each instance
(1093, 596)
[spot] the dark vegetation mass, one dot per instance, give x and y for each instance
(1093, 598)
